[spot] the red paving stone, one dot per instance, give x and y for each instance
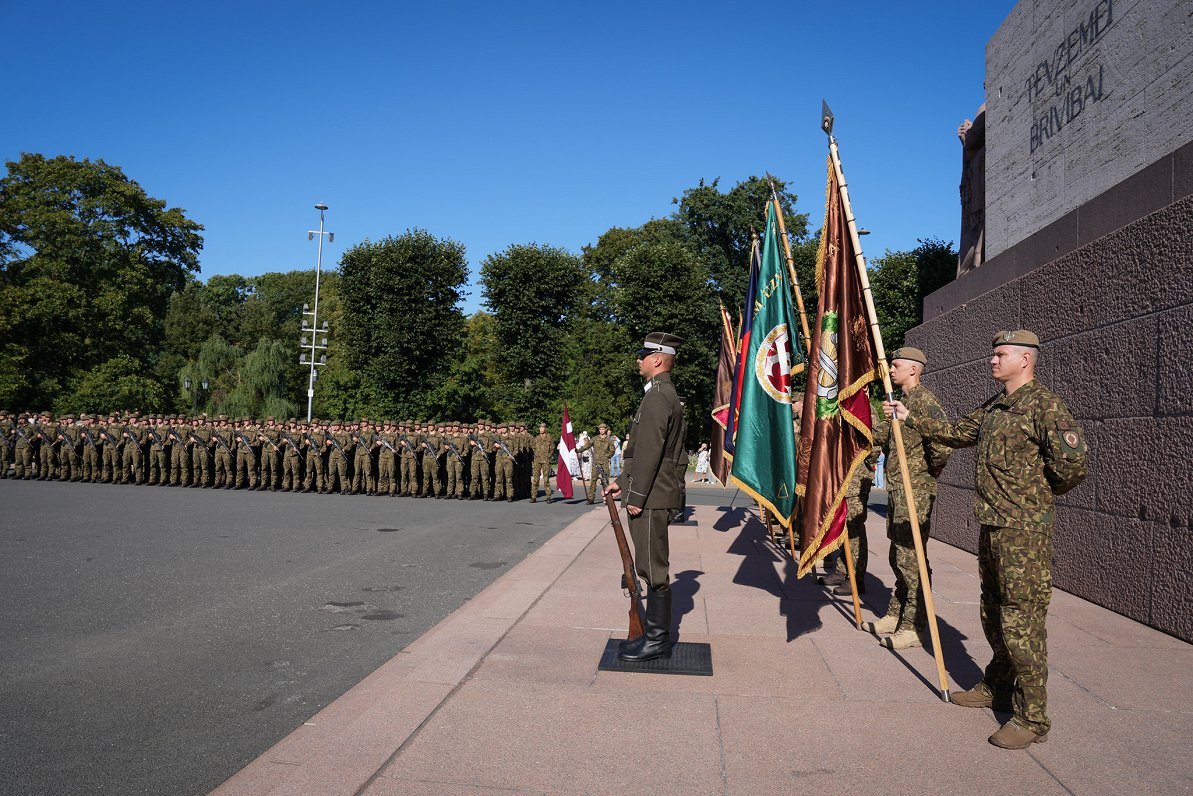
(504, 695)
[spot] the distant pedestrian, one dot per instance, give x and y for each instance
(702, 465)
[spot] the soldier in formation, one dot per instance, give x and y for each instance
(1029, 449)
(480, 461)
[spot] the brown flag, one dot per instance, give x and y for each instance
(721, 397)
(835, 433)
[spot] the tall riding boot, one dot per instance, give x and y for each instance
(656, 641)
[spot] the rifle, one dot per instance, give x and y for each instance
(271, 442)
(87, 436)
(504, 449)
(332, 439)
(174, 435)
(215, 435)
(290, 442)
(384, 442)
(407, 444)
(245, 442)
(153, 436)
(455, 451)
(629, 577)
(434, 453)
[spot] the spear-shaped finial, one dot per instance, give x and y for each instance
(826, 118)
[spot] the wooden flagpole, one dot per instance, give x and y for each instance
(896, 426)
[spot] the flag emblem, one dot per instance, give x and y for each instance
(826, 382)
(772, 364)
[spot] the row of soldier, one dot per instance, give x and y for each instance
(417, 459)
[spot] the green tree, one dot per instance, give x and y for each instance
(901, 280)
(531, 291)
(401, 314)
(720, 225)
(88, 262)
(116, 385)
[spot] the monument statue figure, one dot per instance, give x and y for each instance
(972, 252)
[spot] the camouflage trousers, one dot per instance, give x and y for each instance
(314, 477)
(246, 469)
(336, 476)
(408, 475)
(1015, 567)
(855, 524)
(291, 469)
(385, 472)
(541, 468)
(503, 483)
(271, 466)
(907, 598)
(430, 475)
(132, 466)
(480, 475)
(598, 466)
(362, 473)
(68, 464)
(24, 461)
(92, 463)
(455, 477)
(180, 474)
(159, 466)
(200, 464)
(224, 474)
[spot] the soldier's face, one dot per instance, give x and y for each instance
(901, 371)
(1008, 361)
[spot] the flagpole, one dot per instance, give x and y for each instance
(896, 426)
(799, 297)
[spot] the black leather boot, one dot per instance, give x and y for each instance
(656, 641)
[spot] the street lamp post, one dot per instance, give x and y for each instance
(313, 344)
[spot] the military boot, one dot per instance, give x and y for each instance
(1012, 735)
(888, 624)
(977, 697)
(656, 641)
(903, 639)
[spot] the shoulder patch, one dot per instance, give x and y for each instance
(1071, 438)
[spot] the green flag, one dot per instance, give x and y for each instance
(764, 459)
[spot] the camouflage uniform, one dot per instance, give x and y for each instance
(271, 455)
(93, 459)
(1029, 449)
(47, 434)
(133, 461)
(432, 447)
(337, 442)
(479, 486)
(291, 458)
(178, 433)
(362, 463)
(201, 454)
(925, 463)
(224, 474)
(542, 446)
(387, 461)
(455, 463)
(68, 451)
(407, 462)
(246, 456)
(602, 454)
(503, 466)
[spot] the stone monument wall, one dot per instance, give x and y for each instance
(1093, 236)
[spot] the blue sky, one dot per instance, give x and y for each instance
(495, 123)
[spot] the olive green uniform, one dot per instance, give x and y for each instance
(202, 461)
(455, 465)
(407, 465)
(503, 469)
(224, 475)
(479, 483)
(132, 467)
(430, 466)
(246, 456)
(387, 464)
(362, 462)
(1029, 449)
(159, 464)
(336, 477)
(271, 457)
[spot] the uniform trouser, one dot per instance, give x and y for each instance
(224, 475)
(48, 464)
(907, 599)
(480, 475)
(1015, 567)
(408, 472)
(652, 549)
(159, 466)
(503, 484)
(362, 473)
(68, 463)
(337, 472)
(430, 475)
(455, 477)
(855, 524)
(598, 466)
(200, 461)
(270, 466)
(180, 474)
(3, 458)
(112, 464)
(24, 461)
(246, 468)
(385, 472)
(541, 468)
(291, 464)
(314, 477)
(132, 466)
(93, 463)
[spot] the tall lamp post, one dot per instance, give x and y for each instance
(311, 332)
(186, 382)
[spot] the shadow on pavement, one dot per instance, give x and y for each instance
(683, 597)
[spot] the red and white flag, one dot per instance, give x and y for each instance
(569, 463)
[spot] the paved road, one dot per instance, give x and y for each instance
(155, 640)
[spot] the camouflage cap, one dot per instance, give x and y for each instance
(910, 354)
(1020, 337)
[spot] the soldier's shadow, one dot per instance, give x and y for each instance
(683, 597)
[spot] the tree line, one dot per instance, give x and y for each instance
(102, 309)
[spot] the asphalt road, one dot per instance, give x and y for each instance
(155, 640)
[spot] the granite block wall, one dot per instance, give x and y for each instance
(1116, 319)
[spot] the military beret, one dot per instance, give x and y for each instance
(222, 418)
(909, 353)
(1019, 337)
(271, 419)
(660, 343)
(602, 425)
